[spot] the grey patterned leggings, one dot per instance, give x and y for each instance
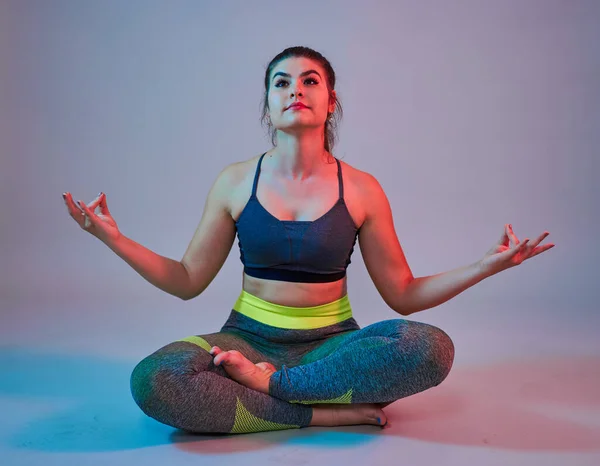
(180, 386)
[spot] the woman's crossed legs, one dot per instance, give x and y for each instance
(180, 385)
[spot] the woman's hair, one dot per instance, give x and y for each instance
(333, 119)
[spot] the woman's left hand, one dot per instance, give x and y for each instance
(509, 251)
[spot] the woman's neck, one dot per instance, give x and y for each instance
(298, 157)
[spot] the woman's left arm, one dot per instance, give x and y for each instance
(427, 292)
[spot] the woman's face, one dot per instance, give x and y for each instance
(298, 79)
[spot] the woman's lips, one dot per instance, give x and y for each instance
(297, 107)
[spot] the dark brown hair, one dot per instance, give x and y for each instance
(333, 119)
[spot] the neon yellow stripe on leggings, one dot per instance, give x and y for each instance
(280, 316)
(196, 340)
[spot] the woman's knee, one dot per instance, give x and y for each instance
(160, 383)
(432, 347)
(142, 382)
(441, 351)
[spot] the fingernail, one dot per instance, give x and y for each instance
(510, 226)
(378, 421)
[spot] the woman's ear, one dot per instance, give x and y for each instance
(332, 101)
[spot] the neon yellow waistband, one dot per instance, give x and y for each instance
(280, 316)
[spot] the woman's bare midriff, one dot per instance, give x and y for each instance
(295, 294)
(296, 201)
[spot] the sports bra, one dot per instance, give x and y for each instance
(309, 251)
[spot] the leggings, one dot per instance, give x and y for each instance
(337, 363)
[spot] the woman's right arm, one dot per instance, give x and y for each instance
(205, 254)
(166, 274)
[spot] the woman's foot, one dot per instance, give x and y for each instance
(242, 370)
(257, 376)
(348, 415)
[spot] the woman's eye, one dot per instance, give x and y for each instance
(277, 84)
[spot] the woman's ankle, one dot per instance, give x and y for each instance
(347, 415)
(322, 416)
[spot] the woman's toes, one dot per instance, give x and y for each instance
(385, 424)
(383, 421)
(221, 358)
(375, 415)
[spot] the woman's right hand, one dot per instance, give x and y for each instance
(101, 225)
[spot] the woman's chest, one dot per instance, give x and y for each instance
(299, 201)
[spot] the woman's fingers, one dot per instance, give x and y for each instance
(96, 201)
(539, 239)
(541, 249)
(74, 209)
(69, 201)
(92, 205)
(504, 240)
(102, 204)
(532, 245)
(89, 215)
(507, 255)
(513, 238)
(520, 247)
(535, 250)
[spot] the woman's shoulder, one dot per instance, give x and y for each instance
(238, 171)
(361, 179)
(351, 170)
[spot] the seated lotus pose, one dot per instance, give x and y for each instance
(290, 353)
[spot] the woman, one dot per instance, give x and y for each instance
(290, 354)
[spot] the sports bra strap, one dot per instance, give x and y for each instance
(340, 180)
(256, 176)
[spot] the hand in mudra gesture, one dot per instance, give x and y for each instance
(509, 251)
(100, 224)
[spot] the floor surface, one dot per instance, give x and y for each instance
(524, 390)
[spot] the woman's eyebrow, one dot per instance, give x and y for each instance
(304, 73)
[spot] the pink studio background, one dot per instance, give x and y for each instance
(471, 114)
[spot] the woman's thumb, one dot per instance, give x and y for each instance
(102, 204)
(504, 238)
